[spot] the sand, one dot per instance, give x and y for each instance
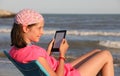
(8, 69)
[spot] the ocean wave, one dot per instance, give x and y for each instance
(87, 33)
(110, 44)
(76, 32)
(5, 30)
(94, 33)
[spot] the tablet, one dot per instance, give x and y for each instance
(59, 35)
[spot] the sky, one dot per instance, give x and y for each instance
(64, 6)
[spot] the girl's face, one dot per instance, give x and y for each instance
(34, 33)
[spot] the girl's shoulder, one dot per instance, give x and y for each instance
(27, 53)
(27, 48)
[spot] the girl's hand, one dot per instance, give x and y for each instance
(63, 47)
(50, 46)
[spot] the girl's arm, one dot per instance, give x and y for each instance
(50, 47)
(60, 69)
(45, 64)
(63, 48)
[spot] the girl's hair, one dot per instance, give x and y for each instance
(25, 17)
(17, 38)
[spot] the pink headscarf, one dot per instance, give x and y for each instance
(27, 17)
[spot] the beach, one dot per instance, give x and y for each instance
(85, 32)
(8, 69)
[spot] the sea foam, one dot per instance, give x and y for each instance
(75, 32)
(111, 44)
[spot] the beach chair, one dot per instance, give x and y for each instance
(33, 68)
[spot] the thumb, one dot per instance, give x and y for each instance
(63, 41)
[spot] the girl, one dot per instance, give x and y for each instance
(28, 27)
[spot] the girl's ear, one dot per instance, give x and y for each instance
(25, 29)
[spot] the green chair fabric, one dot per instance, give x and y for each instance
(33, 68)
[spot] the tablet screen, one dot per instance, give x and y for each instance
(58, 39)
(59, 35)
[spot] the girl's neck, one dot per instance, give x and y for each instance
(29, 44)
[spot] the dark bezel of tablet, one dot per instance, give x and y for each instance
(59, 31)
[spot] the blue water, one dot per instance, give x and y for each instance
(84, 31)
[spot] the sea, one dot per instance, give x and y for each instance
(85, 32)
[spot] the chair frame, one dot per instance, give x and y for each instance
(33, 68)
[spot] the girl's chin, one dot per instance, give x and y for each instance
(37, 40)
